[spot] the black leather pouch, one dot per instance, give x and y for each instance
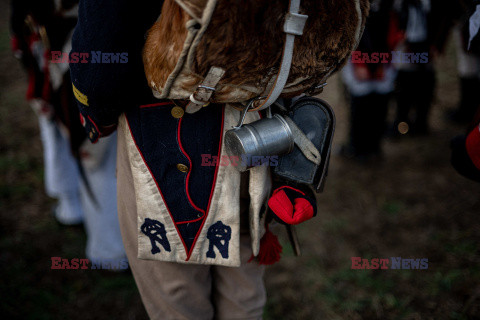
(317, 121)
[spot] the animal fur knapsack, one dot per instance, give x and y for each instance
(231, 51)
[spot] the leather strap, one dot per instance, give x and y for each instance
(304, 144)
(201, 96)
(293, 26)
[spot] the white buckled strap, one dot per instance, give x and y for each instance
(202, 95)
(293, 26)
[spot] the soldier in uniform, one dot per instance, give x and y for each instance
(370, 84)
(159, 163)
(190, 230)
(81, 176)
(466, 148)
(425, 24)
(468, 65)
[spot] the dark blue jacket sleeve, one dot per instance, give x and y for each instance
(106, 58)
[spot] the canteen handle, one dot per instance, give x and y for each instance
(244, 114)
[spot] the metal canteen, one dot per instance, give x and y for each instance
(265, 137)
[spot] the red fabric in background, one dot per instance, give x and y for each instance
(14, 43)
(473, 146)
(395, 34)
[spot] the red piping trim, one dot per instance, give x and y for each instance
(190, 221)
(213, 186)
(82, 119)
(95, 125)
(179, 139)
(158, 187)
(156, 104)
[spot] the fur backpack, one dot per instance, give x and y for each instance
(233, 51)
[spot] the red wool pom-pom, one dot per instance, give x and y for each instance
(270, 249)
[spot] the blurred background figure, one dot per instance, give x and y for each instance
(81, 176)
(468, 67)
(370, 83)
(425, 25)
(466, 148)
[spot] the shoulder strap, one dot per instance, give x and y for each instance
(293, 26)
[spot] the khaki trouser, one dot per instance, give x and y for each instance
(184, 291)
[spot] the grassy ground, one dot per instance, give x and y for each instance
(410, 205)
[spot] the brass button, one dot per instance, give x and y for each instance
(181, 167)
(91, 135)
(177, 112)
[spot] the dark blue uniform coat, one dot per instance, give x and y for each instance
(188, 204)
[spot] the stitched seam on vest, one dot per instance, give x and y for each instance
(179, 141)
